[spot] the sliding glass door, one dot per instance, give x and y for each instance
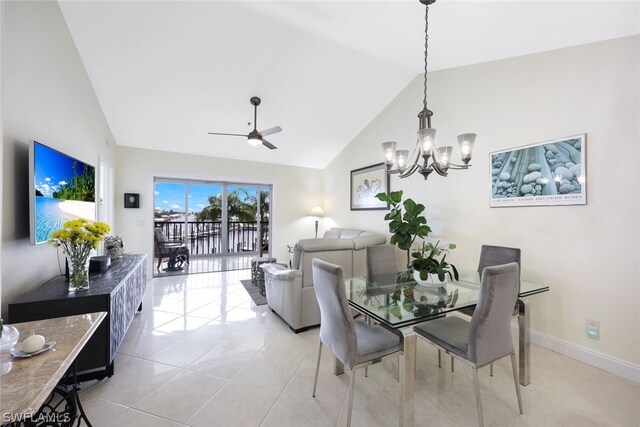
(214, 218)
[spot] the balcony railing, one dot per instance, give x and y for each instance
(205, 237)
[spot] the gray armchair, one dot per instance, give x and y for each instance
(487, 337)
(354, 343)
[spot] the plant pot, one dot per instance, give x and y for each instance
(431, 282)
(78, 274)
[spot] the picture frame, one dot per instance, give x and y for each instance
(365, 183)
(132, 200)
(549, 173)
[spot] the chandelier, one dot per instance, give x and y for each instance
(433, 158)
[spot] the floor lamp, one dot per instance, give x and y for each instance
(318, 213)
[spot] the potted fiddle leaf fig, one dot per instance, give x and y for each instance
(430, 265)
(406, 222)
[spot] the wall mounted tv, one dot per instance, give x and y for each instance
(63, 188)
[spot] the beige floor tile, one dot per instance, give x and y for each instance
(267, 319)
(293, 409)
(151, 319)
(250, 336)
(181, 397)
(100, 411)
(286, 342)
(237, 405)
(215, 330)
(331, 388)
(133, 418)
(182, 352)
(211, 311)
(182, 325)
(133, 379)
(144, 342)
(223, 361)
(272, 371)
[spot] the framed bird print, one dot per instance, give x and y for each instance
(365, 184)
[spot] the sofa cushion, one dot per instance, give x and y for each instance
(368, 239)
(318, 245)
(342, 233)
(280, 271)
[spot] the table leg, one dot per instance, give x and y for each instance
(407, 382)
(524, 342)
(338, 366)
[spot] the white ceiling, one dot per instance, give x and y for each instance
(168, 72)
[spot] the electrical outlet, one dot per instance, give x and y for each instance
(593, 329)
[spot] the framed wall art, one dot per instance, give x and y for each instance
(543, 174)
(365, 184)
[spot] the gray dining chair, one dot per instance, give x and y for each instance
(381, 260)
(490, 256)
(355, 343)
(487, 337)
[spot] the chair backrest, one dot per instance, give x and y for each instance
(159, 235)
(381, 260)
(498, 255)
(490, 329)
(337, 328)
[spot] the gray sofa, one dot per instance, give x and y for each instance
(290, 291)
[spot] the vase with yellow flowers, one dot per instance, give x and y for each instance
(77, 238)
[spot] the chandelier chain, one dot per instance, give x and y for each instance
(426, 47)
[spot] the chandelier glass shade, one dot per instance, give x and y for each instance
(427, 157)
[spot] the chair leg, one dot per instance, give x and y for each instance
(315, 380)
(452, 359)
(476, 384)
(439, 359)
(491, 368)
(515, 380)
(159, 262)
(366, 371)
(352, 386)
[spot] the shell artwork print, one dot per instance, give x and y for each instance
(368, 188)
(548, 173)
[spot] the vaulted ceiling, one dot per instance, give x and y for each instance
(168, 72)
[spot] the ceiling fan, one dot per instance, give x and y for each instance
(255, 137)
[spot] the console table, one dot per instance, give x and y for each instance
(117, 291)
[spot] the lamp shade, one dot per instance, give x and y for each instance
(426, 138)
(444, 154)
(317, 211)
(466, 142)
(389, 152)
(402, 157)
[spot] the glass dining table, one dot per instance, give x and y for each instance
(399, 304)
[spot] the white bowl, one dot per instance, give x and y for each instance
(9, 338)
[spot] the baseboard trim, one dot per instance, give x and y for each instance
(603, 361)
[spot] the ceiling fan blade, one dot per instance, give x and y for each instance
(271, 131)
(269, 145)
(227, 134)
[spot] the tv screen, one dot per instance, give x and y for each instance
(63, 189)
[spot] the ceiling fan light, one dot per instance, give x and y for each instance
(255, 141)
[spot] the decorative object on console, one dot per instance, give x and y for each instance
(113, 246)
(77, 238)
(255, 137)
(365, 184)
(433, 158)
(8, 338)
(131, 200)
(318, 213)
(99, 264)
(542, 174)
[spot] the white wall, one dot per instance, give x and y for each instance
(295, 191)
(46, 96)
(588, 255)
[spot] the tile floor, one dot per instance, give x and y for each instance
(201, 354)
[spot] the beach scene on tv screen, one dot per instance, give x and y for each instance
(64, 190)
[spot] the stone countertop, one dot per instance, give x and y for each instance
(25, 383)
